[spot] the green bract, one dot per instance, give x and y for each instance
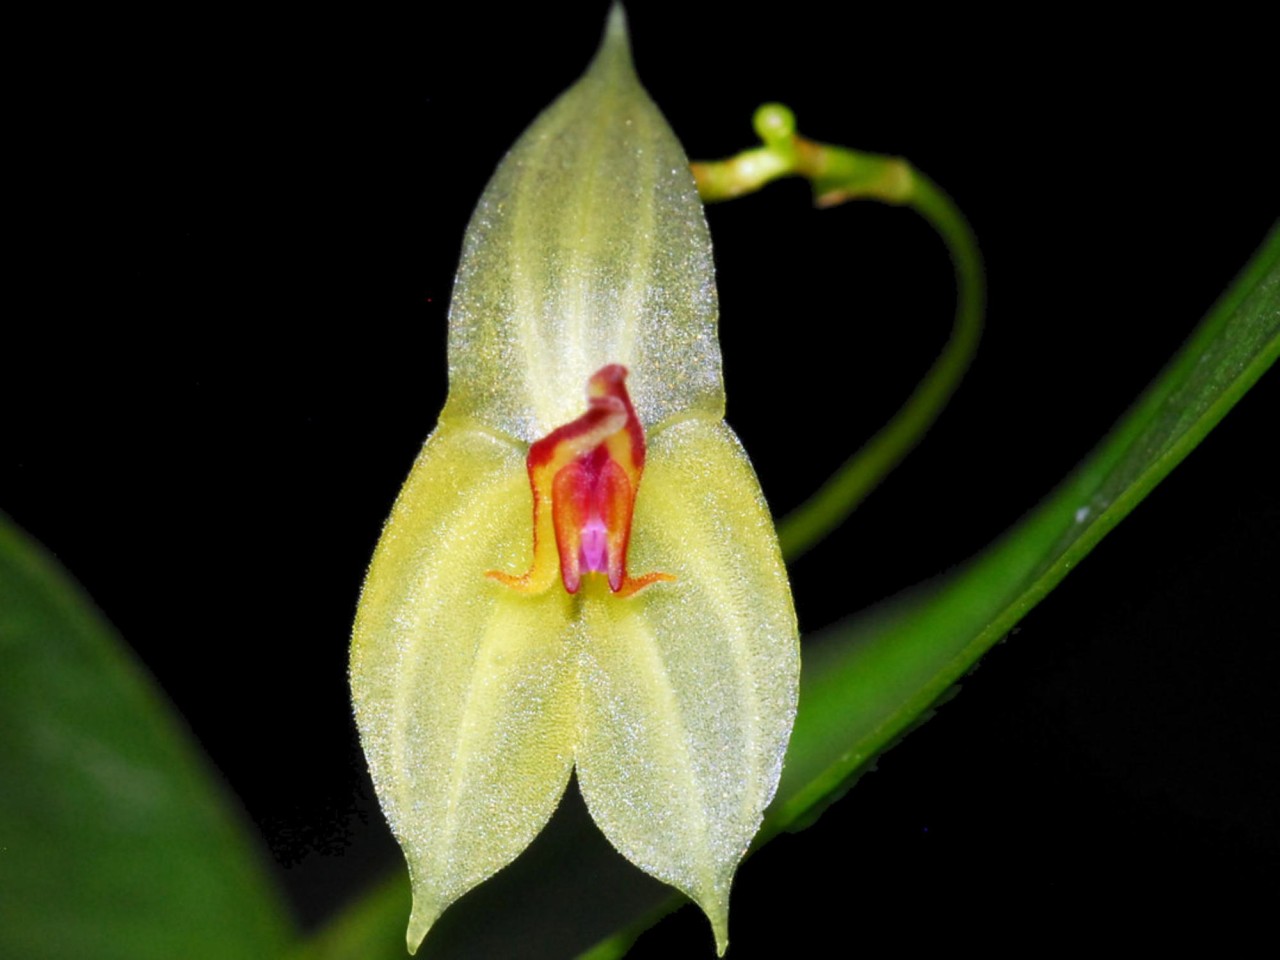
(476, 701)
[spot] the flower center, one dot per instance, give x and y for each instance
(584, 477)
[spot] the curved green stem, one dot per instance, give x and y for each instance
(839, 174)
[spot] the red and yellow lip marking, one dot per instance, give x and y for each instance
(584, 477)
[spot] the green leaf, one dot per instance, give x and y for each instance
(373, 927)
(876, 676)
(115, 840)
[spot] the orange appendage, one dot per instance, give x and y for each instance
(584, 477)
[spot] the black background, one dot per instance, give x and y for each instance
(230, 346)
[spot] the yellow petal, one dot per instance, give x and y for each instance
(589, 247)
(689, 688)
(464, 690)
(473, 699)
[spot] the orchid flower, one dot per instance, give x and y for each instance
(580, 573)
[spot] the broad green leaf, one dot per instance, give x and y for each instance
(478, 688)
(876, 676)
(371, 929)
(115, 841)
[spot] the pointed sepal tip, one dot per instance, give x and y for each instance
(421, 919)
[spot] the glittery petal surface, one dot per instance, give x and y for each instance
(689, 688)
(589, 247)
(464, 690)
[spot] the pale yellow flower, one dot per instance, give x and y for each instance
(655, 652)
